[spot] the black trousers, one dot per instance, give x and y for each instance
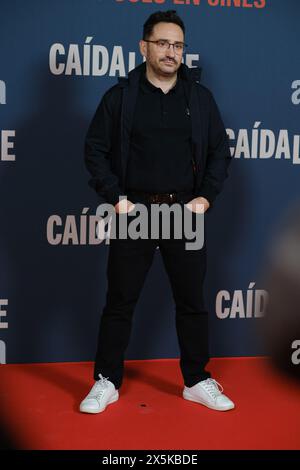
(128, 264)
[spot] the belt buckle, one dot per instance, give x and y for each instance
(160, 198)
(172, 197)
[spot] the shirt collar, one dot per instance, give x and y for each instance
(148, 87)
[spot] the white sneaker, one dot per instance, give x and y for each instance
(102, 393)
(208, 393)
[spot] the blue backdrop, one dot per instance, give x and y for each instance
(57, 60)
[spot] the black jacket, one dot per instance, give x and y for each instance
(107, 143)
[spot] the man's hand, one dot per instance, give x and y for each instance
(124, 206)
(194, 206)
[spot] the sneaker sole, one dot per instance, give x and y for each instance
(112, 400)
(188, 397)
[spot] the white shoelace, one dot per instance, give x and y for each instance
(99, 387)
(211, 386)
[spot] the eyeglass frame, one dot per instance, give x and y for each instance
(170, 44)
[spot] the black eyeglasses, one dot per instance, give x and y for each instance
(164, 44)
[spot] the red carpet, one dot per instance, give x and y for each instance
(39, 404)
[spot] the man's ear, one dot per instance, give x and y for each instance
(143, 47)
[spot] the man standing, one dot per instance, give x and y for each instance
(156, 137)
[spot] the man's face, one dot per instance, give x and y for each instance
(164, 62)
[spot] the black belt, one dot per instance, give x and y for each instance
(158, 198)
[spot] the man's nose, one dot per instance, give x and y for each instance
(171, 50)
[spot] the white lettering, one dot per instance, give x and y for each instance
(117, 63)
(53, 240)
(296, 354)
(3, 325)
(249, 305)
(6, 145)
(2, 352)
(264, 144)
(2, 92)
(55, 68)
(296, 94)
(73, 61)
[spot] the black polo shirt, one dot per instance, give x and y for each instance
(160, 157)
